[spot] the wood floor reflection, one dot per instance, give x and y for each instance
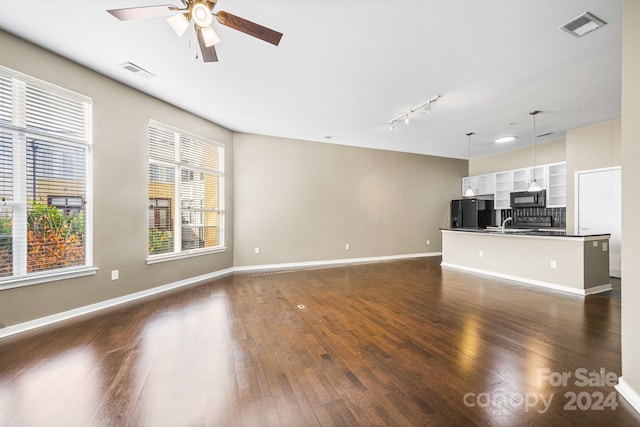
(392, 343)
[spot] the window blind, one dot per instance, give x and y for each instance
(45, 141)
(186, 181)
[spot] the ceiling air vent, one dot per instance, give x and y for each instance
(130, 66)
(545, 134)
(583, 24)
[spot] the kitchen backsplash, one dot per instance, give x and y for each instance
(558, 215)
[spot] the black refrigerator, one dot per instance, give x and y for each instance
(472, 213)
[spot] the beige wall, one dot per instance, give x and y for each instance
(121, 115)
(630, 205)
(303, 201)
(551, 152)
(590, 147)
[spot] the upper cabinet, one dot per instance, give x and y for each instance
(557, 189)
(480, 184)
(502, 197)
(552, 177)
(540, 175)
(519, 180)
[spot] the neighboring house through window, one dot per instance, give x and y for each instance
(186, 203)
(45, 156)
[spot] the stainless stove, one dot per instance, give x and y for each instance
(533, 222)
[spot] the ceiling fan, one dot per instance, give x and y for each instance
(201, 12)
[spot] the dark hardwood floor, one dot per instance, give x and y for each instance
(392, 343)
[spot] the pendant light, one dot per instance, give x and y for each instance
(534, 186)
(469, 192)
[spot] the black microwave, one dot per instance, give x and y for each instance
(529, 199)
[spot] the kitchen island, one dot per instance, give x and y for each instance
(578, 264)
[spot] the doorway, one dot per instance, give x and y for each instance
(599, 209)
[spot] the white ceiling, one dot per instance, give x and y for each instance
(346, 68)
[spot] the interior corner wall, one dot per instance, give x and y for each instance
(630, 200)
(590, 147)
(301, 201)
(120, 119)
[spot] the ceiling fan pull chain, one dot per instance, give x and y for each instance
(196, 49)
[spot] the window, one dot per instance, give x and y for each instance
(45, 163)
(186, 203)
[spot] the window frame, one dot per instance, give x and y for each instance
(178, 168)
(21, 133)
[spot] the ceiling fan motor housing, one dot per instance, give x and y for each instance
(200, 11)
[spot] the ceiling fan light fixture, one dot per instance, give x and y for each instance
(179, 23)
(209, 36)
(201, 14)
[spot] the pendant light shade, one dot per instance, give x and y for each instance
(469, 192)
(534, 186)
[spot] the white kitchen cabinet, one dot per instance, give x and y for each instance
(486, 184)
(541, 176)
(519, 180)
(557, 185)
(552, 177)
(480, 184)
(470, 181)
(502, 197)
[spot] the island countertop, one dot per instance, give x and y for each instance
(567, 262)
(515, 232)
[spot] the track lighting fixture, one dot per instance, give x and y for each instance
(405, 116)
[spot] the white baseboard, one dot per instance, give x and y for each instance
(70, 314)
(629, 394)
(66, 315)
(575, 291)
(307, 264)
(598, 289)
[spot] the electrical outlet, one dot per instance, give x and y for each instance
(481, 254)
(347, 246)
(553, 263)
(428, 242)
(115, 274)
(257, 250)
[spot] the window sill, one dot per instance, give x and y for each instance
(37, 278)
(155, 259)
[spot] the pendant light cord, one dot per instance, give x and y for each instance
(534, 147)
(533, 139)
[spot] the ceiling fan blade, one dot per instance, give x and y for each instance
(248, 27)
(208, 53)
(144, 12)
